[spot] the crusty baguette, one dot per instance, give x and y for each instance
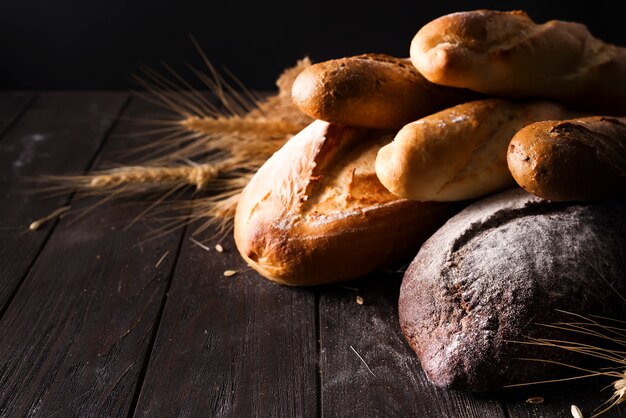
(458, 153)
(577, 159)
(372, 91)
(316, 213)
(507, 54)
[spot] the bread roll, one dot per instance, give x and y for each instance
(576, 159)
(507, 54)
(498, 268)
(458, 153)
(372, 91)
(316, 213)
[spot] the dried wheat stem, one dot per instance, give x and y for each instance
(197, 175)
(219, 211)
(618, 397)
(254, 127)
(199, 244)
(57, 212)
(225, 208)
(363, 360)
(620, 389)
(163, 257)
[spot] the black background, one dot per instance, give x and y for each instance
(98, 44)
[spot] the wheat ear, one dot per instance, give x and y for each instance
(241, 126)
(229, 134)
(199, 176)
(141, 177)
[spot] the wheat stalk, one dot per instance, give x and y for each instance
(241, 126)
(223, 140)
(597, 329)
(199, 176)
(609, 331)
(246, 132)
(240, 119)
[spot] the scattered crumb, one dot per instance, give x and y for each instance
(359, 356)
(219, 248)
(163, 257)
(535, 400)
(359, 300)
(199, 244)
(229, 273)
(576, 413)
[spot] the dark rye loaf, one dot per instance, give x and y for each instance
(498, 268)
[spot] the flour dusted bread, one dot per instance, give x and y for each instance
(316, 213)
(498, 268)
(371, 90)
(507, 54)
(576, 159)
(458, 153)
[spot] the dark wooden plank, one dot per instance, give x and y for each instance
(12, 105)
(59, 134)
(75, 338)
(231, 346)
(398, 386)
(587, 394)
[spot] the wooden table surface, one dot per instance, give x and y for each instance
(91, 326)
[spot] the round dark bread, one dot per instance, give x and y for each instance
(496, 270)
(577, 159)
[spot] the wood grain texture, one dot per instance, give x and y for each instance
(96, 329)
(398, 386)
(587, 394)
(59, 134)
(231, 346)
(12, 106)
(75, 336)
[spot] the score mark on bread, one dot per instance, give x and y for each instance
(316, 213)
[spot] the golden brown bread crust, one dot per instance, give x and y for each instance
(507, 54)
(576, 159)
(316, 213)
(372, 90)
(458, 153)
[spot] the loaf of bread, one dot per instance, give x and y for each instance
(577, 159)
(372, 90)
(496, 270)
(507, 54)
(458, 153)
(316, 213)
